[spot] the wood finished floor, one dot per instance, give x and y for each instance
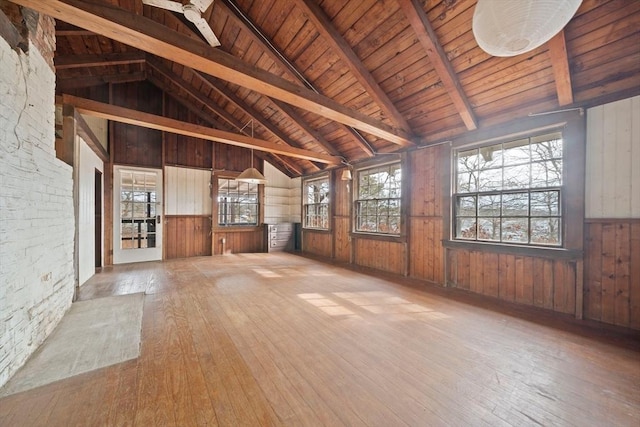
(264, 339)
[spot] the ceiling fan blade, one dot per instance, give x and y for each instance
(207, 32)
(202, 5)
(165, 4)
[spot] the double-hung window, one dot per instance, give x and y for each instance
(510, 192)
(316, 203)
(238, 203)
(378, 199)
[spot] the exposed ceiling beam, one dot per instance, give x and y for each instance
(152, 121)
(426, 35)
(68, 83)
(65, 30)
(322, 23)
(160, 68)
(103, 60)
(277, 58)
(560, 67)
(145, 34)
(211, 121)
(248, 110)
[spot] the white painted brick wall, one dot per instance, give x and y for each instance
(36, 210)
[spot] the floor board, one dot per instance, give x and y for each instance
(278, 339)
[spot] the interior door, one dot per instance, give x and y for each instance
(137, 216)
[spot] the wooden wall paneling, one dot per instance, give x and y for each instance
(634, 276)
(622, 271)
(524, 280)
(317, 243)
(506, 277)
(608, 272)
(342, 238)
(368, 254)
(491, 266)
(593, 268)
(239, 241)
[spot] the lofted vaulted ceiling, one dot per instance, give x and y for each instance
(348, 79)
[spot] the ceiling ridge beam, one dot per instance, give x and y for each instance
(165, 124)
(326, 28)
(421, 25)
(289, 68)
(99, 60)
(145, 34)
(560, 66)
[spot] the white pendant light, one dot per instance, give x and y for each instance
(512, 27)
(252, 175)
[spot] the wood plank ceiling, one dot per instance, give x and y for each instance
(409, 72)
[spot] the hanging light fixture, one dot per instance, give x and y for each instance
(346, 175)
(509, 28)
(251, 175)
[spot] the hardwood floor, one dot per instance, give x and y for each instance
(277, 339)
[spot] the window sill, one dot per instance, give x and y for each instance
(378, 236)
(236, 228)
(534, 251)
(317, 230)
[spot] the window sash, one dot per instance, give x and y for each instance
(316, 203)
(510, 204)
(378, 205)
(238, 203)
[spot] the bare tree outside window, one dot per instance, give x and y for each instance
(510, 192)
(316, 203)
(379, 192)
(237, 202)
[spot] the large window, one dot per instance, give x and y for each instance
(510, 192)
(378, 199)
(237, 202)
(316, 203)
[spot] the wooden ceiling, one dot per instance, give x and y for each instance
(346, 78)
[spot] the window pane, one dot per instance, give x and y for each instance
(491, 157)
(378, 199)
(545, 231)
(516, 177)
(545, 203)
(466, 206)
(515, 230)
(489, 205)
(515, 204)
(490, 179)
(467, 182)
(467, 161)
(546, 147)
(466, 228)
(489, 229)
(547, 174)
(516, 152)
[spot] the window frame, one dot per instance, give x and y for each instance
(514, 220)
(356, 200)
(326, 206)
(218, 206)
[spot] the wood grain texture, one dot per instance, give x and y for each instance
(263, 339)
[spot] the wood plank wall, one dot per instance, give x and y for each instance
(612, 271)
(187, 236)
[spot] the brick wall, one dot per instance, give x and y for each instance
(36, 203)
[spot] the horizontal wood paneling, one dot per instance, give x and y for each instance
(540, 282)
(380, 255)
(612, 272)
(187, 236)
(317, 243)
(238, 241)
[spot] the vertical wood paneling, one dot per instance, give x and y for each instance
(613, 153)
(368, 254)
(187, 236)
(342, 241)
(236, 242)
(612, 272)
(317, 243)
(187, 191)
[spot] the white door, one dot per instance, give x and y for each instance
(137, 215)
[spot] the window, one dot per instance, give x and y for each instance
(377, 207)
(237, 202)
(316, 203)
(510, 192)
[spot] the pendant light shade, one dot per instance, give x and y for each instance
(252, 175)
(512, 27)
(346, 175)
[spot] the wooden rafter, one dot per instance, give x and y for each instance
(322, 23)
(103, 60)
(560, 66)
(161, 69)
(211, 121)
(165, 124)
(426, 35)
(288, 67)
(145, 34)
(68, 83)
